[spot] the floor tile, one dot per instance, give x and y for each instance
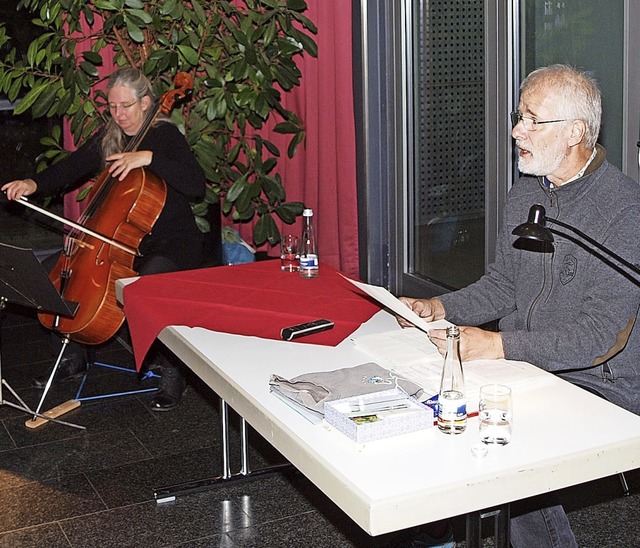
(6, 443)
(136, 482)
(309, 529)
(149, 524)
(45, 536)
(193, 424)
(35, 503)
(85, 452)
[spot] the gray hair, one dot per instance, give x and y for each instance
(114, 140)
(578, 94)
(132, 78)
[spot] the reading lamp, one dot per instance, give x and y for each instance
(535, 229)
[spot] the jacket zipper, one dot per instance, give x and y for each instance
(551, 196)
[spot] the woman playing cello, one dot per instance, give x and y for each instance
(175, 242)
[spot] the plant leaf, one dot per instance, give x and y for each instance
(266, 231)
(236, 189)
(30, 98)
(190, 54)
(135, 32)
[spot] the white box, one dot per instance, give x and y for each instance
(411, 418)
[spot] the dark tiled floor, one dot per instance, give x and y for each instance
(63, 487)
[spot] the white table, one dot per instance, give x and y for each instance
(562, 436)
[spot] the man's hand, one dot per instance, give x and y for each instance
(429, 309)
(475, 343)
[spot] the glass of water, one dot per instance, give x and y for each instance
(289, 254)
(496, 414)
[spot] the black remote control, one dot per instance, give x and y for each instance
(302, 329)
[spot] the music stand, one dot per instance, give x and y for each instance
(24, 281)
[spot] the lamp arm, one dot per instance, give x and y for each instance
(593, 242)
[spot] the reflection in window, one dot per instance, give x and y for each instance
(449, 171)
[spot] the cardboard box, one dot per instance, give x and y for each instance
(366, 418)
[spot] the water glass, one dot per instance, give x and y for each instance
(496, 414)
(289, 254)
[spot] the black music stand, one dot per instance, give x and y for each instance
(24, 281)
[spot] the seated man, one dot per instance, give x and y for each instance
(559, 307)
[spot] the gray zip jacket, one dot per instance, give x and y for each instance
(561, 308)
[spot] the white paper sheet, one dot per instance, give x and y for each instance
(394, 304)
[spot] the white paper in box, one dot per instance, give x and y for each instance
(392, 423)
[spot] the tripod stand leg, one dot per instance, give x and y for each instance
(23, 406)
(42, 418)
(46, 417)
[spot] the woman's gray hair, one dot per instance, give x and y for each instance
(578, 95)
(114, 139)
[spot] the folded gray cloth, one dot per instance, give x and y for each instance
(313, 390)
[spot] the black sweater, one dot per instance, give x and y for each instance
(175, 234)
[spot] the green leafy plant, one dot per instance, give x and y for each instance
(240, 54)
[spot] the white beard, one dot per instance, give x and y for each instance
(545, 161)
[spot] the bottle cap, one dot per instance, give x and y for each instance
(453, 331)
(307, 213)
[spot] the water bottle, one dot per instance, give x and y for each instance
(452, 402)
(308, 247)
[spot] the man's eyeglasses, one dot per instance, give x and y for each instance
(530, 124)
(121, 106)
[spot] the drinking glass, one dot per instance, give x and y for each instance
(496, 414)
(289, 258)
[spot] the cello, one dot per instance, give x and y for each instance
(103, 245)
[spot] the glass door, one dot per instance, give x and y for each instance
(434, 143)
(448, 172)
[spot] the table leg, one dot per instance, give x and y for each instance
(502, 530)
(474, 530)
(169, 494)
(224, 433)
(501, 517)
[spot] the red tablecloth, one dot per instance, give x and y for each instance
(252, 299)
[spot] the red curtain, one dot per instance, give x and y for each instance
(322, 174)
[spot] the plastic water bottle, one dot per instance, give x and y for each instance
(452, 402)
(308, 247)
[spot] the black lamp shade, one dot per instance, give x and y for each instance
(534, 228)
